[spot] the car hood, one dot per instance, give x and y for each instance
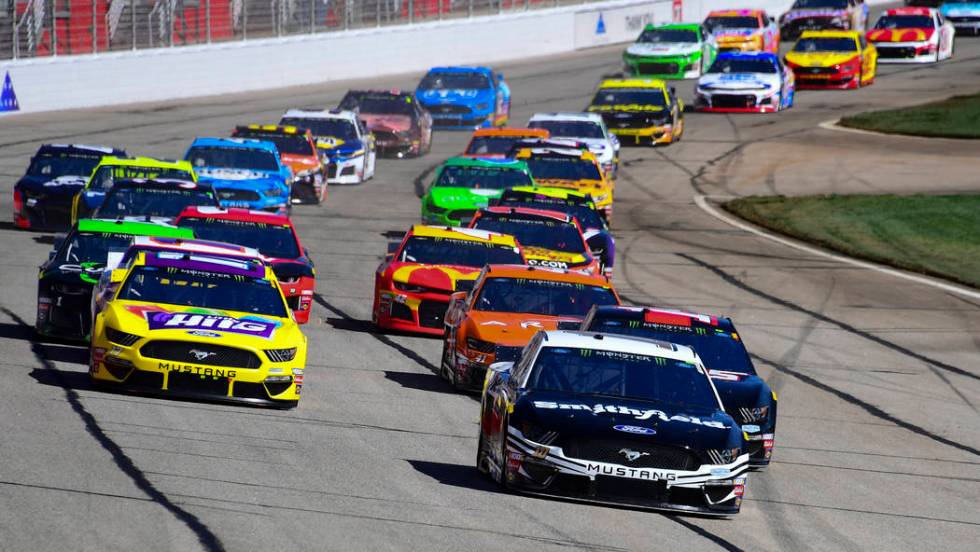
(300, 163)
(649, 49)
(554, 259)
(511, 329)
(740, 390)
(958, 10)
(337, 146)
(901, 35)
(594, 187)
(735, 35)
(201, 324)
(626, 108)
(739, 81)
(462, 198)
(800, 14)
(452, 96)
(391, 123)
(820, 59)
(68, 184)
(438, 277)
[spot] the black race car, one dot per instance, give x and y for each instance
(611, 419)
(43, 196)
(746, 396)
(160, 200)
(401, 126)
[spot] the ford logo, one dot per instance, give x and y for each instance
(202, 333)
(635, 429)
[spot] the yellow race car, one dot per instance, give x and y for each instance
(111, 168)
(640, 110)
(577, 169)
(832, 59)
(199, 326)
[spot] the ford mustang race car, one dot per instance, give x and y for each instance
(570, 168)
(462, 185)
(638, 110)
(298, 152)
(413, 284)
(200, 326)
(65, 280)
(817, 15)
(608, 419)
(401, 127)
(549, 238)
(964, 15)
(112, 168)
(273, 236)
(912, 35)
(747, 398)
(670, 51)
(751, 82)
(506, 307)
(43, 196)
(833, 59)
(244, 173)
(588, 128)
(743, 31)
(343, 139)
(465, 97)
(497, 142)
(160, 200)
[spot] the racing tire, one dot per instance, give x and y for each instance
(502, 482)
(444, 363)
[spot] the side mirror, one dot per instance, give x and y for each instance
(501, 367)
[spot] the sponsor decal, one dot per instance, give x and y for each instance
(638, 430)
(160, 320)
(549, 264)
(623, 410)
(8, 98)
(723, 375)
(635, 473)
(204, 372)
(202, 333)
(751, 428)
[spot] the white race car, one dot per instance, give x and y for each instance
(964, 15)
(753, 82)
(342, 138)
(588, 128)
(912, 35)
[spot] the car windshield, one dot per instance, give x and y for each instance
(587, 216)
(717, 23)
(904, 22)
(61, 164)
(817, 4)
(379, 104)
(334, 128)
(630, 96)
(140, 201)
(718, 349)
(492, 145)
(454, 81)
(622, 375)
(90, 247)
(535, 231)
(233, 158)
(456, 252)
(570, 129)
(104, 178)
(544, 297)
(668, 36)
(272, 240)
(806, 45)
(202, 289)
(562, 168)
(743, 65)
(293, 144)
(493, 178)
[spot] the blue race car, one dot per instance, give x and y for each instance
(244, 173)
(465, 97)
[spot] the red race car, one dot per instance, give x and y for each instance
(275, 238)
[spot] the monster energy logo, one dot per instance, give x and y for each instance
(700, 331)
(585, 352)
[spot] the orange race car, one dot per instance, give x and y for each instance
(297, 150)
(497, 142)
(413, 284)
(505, 308)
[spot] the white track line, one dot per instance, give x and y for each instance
(702, 201)
(834, 124)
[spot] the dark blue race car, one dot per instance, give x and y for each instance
(465, 97)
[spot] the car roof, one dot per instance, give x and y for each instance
(134, 228)
(558, 152)
(909, 10)
(461, 69)
(672, 317)
(272, 129)
(512, 131)
(160, 183)
(147, 162)
(235, 213)
(679, 26)
(830, 34)
(240, 143)
(618, 343)
(549, 191)
(634, 83)
(546, 273)
(751, 55)
(250, 267)
(529, 212)
(341, 114)
(208, 247)
(734, 13)
(468, 234)
(81, 149)
(505, 162)
(567, 116)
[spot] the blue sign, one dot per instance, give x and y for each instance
(600, 27)
(8, 99)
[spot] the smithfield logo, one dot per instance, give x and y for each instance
(159, 320)
(632, 455)
(635, 429)
(200, 355)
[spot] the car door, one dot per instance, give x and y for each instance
(869, 57)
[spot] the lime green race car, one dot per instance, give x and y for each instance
(463, 185)
(672, 51)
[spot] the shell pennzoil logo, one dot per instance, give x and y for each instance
(899, 35)
(440, 277)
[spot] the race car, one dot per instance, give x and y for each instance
(244, 173)
(496, 143)
(747, 398)
(157, 200)
(832, 59)
(743, 31)
(964, 15)
(343, 139)
(608, 419)
(401, 127)
(823, 15)
(298, 152)
(583, 127)
(65, 280)
(751, 82)
(112, 168)
(596, 232)
(201, 326)
(275, 238)
(670, 51)
(912, 35)
(465, 97)
(507, 306)
(413, 284)
(640, 110)
(462, 185)
(43, 196)
(572, 168)
(549, 239)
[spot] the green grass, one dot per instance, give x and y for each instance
(930, 234)
(956, 117)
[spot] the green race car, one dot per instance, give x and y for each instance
(672, 51)
(462, 185)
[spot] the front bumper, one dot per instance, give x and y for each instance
(401, 311)
(651, 135)
(391, 144)
(904, 52)
(667, 67)
(965, 23)
(449, 217)
(735, 102)
(346, 170)
(65, 315)
(817, 81)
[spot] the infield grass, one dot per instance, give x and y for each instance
(956, 117)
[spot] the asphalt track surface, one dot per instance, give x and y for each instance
(878, 444)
